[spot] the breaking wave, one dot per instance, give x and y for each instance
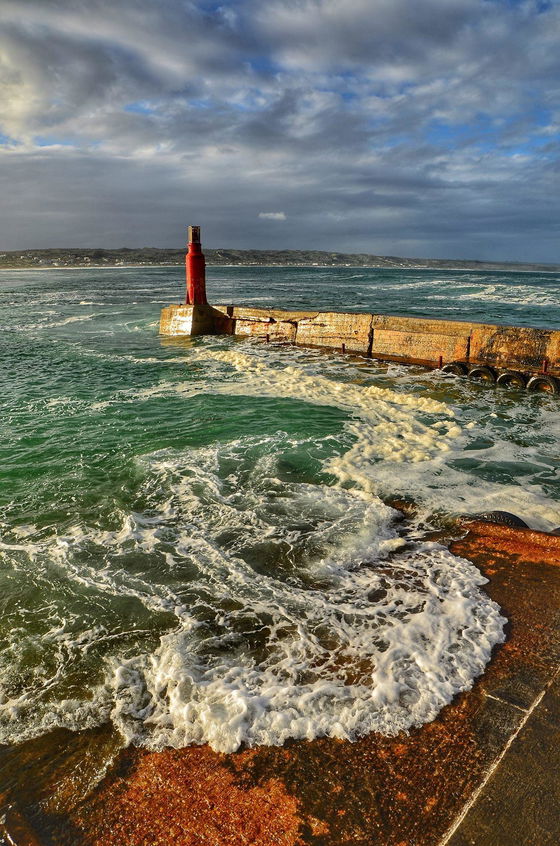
(253, 607)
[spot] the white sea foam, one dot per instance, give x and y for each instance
(336, 664)
(432, 441)
(54, 324)
(295, 609)
(394, 427)
(521, 295)
(388, 426)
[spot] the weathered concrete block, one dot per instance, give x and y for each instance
(331, 329)
(411, 339)
(512, 345)
(553, 351)
(194, 320)
(421, 347)
(278, 324)
(421, 324)
(276, 330)
(246, 313)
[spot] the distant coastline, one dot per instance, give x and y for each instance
(516, 269)
(74, 259)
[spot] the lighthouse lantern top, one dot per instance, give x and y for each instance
(194, 234)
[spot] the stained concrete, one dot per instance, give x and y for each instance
(420, 347)
(351, 332)
(389, 337)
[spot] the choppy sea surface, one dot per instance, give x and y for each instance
(194, 537)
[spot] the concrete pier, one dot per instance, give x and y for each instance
(409, 340)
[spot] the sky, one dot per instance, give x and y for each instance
(423, 128)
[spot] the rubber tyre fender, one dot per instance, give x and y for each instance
(502, 518)
(544, 383)
(482, 373)
(458, 368)
(512, 379)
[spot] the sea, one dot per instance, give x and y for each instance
(198, 542)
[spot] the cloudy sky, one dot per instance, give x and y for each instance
(406, 127)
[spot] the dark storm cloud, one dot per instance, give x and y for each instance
(427, 128)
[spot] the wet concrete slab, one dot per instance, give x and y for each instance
(482, 772)
(523, 568)
(520, 803)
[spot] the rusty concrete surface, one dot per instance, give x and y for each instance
(481, 773)
(426, 347)
(406, 339)
(502, 345)
(519, 803)
(351, 332)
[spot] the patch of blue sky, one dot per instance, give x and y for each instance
(142, 107)
(202, 102)
(348, 96)
(539, 6)
(53, 141)
(212, 6)
(348, 86)
(541, 116)
(263, 64)
(491, 133)
(484, 131)
(6, 141)
(545, 5)
(249, 105)
(531, 147)
(401, 140)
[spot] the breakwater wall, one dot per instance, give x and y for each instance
(511, 355)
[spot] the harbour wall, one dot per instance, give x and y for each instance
(408, 340)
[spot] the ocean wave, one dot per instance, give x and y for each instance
(288, 609)
(520, 295)
(54, 324)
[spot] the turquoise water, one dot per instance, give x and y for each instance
(194, 541)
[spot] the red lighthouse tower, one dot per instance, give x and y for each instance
(195, 269)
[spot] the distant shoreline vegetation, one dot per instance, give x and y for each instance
(154, 257)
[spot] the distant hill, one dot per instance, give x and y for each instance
(152, 257)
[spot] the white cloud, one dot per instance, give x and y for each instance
(272, 215)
